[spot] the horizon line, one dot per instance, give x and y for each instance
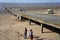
(30, 3)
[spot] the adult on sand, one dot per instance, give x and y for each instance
(31, 34)
(25, 33)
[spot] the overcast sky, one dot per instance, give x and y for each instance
(30, 1)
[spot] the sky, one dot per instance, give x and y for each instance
(29, 1)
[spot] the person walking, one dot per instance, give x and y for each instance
(25, 33)
(31, 34)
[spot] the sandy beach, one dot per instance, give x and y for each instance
(13, 29)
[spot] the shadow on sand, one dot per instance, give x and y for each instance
(34, 36)
(38, 38)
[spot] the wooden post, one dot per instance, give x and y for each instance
(42, 28)
(29, 21)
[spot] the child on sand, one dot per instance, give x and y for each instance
(25, 33)
(31, 34)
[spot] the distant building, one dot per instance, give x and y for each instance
(49, 11)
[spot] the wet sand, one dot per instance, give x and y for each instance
(12, 29)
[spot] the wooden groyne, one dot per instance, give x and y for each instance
(9, 11)
(41, 22)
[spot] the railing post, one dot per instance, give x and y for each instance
(29, 21)
(41, 28)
